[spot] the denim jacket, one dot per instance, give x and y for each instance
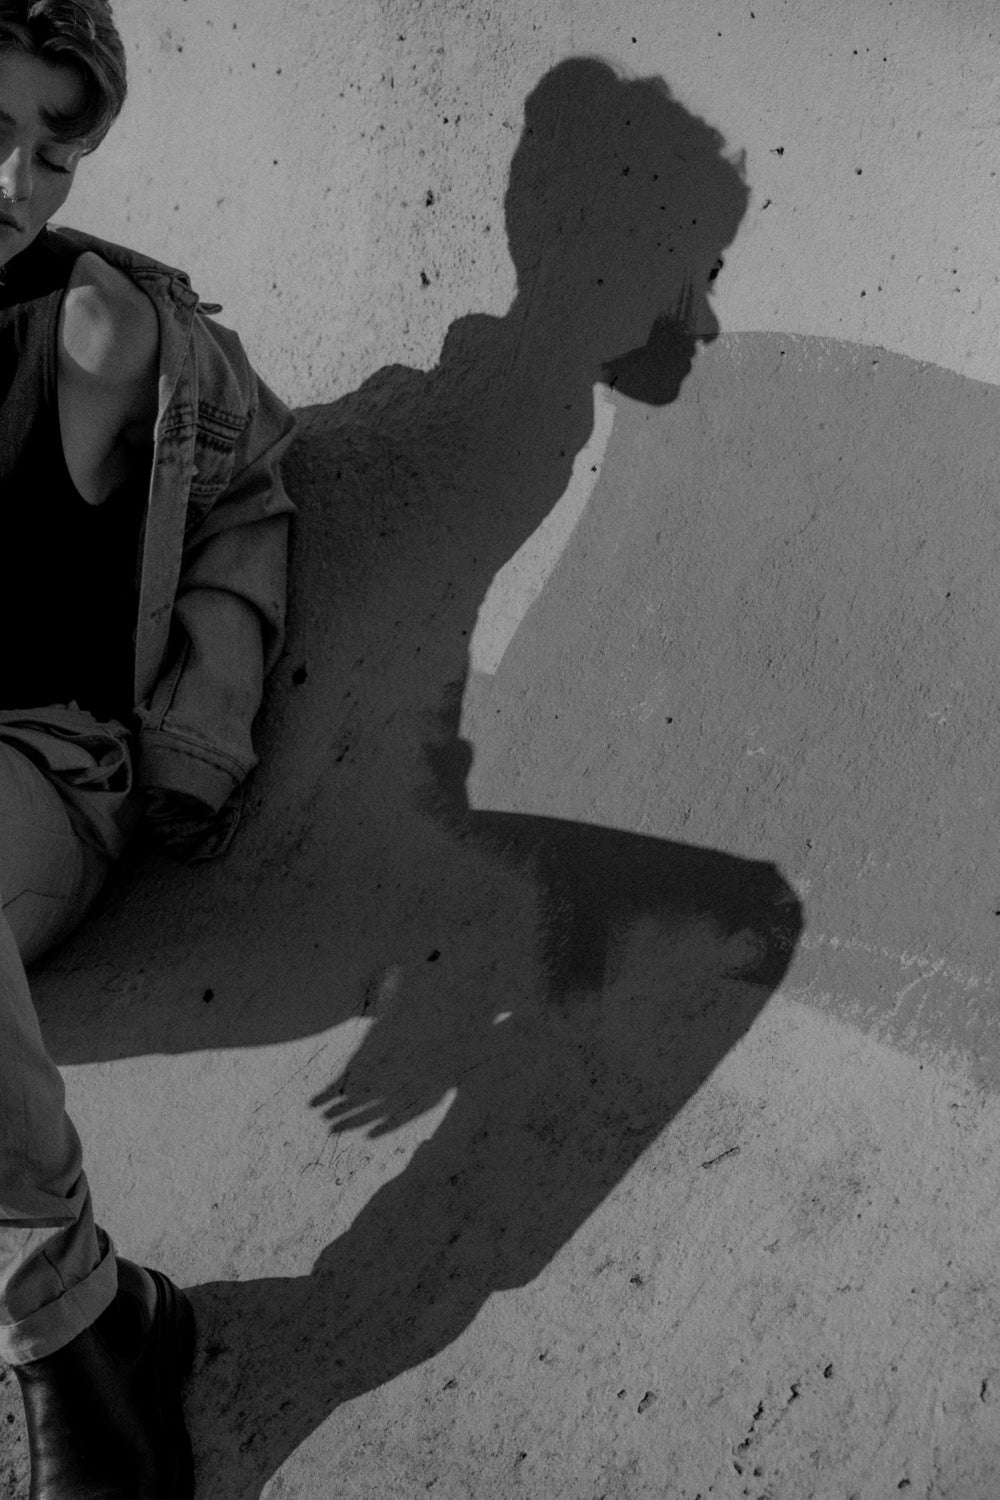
(213, 554)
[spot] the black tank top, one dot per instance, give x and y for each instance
(67, 569)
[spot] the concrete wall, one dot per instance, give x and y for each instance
(622, 675)
(285, 154)
(567, 559)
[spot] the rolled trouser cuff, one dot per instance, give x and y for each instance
(59, 1321)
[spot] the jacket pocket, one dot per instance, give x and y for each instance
(216, 435)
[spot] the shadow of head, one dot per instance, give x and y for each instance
(619, 206)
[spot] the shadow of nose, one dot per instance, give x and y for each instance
(706, 327)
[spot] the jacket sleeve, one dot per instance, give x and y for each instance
(195, 745)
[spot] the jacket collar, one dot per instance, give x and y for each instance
(174, 283)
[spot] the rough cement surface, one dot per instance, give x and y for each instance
(461, 1092)
(580, 1078)
(333, 171)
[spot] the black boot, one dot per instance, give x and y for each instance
(104, 1413)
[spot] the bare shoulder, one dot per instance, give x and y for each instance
(108, 328)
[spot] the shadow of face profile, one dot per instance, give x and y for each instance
(619, 206)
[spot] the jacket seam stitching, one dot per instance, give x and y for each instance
(220, 759)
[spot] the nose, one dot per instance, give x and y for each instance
(15, 176)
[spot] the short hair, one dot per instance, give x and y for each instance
(80, 34)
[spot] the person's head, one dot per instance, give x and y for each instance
(62, 85)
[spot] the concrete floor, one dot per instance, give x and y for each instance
(580, 1078)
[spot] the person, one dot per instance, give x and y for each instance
(143, 582)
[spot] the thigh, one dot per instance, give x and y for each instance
(48, 876)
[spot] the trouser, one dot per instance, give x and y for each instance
(57, 1267)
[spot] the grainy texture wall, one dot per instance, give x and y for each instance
(285, 154)
(580, 1078)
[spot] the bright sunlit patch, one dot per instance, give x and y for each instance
(520, 581)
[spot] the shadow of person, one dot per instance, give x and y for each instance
(591, 1002)
(588, 979)
(414, 492)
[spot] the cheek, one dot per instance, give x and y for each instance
(51, 197)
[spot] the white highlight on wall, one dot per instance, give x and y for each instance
(520, 581)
